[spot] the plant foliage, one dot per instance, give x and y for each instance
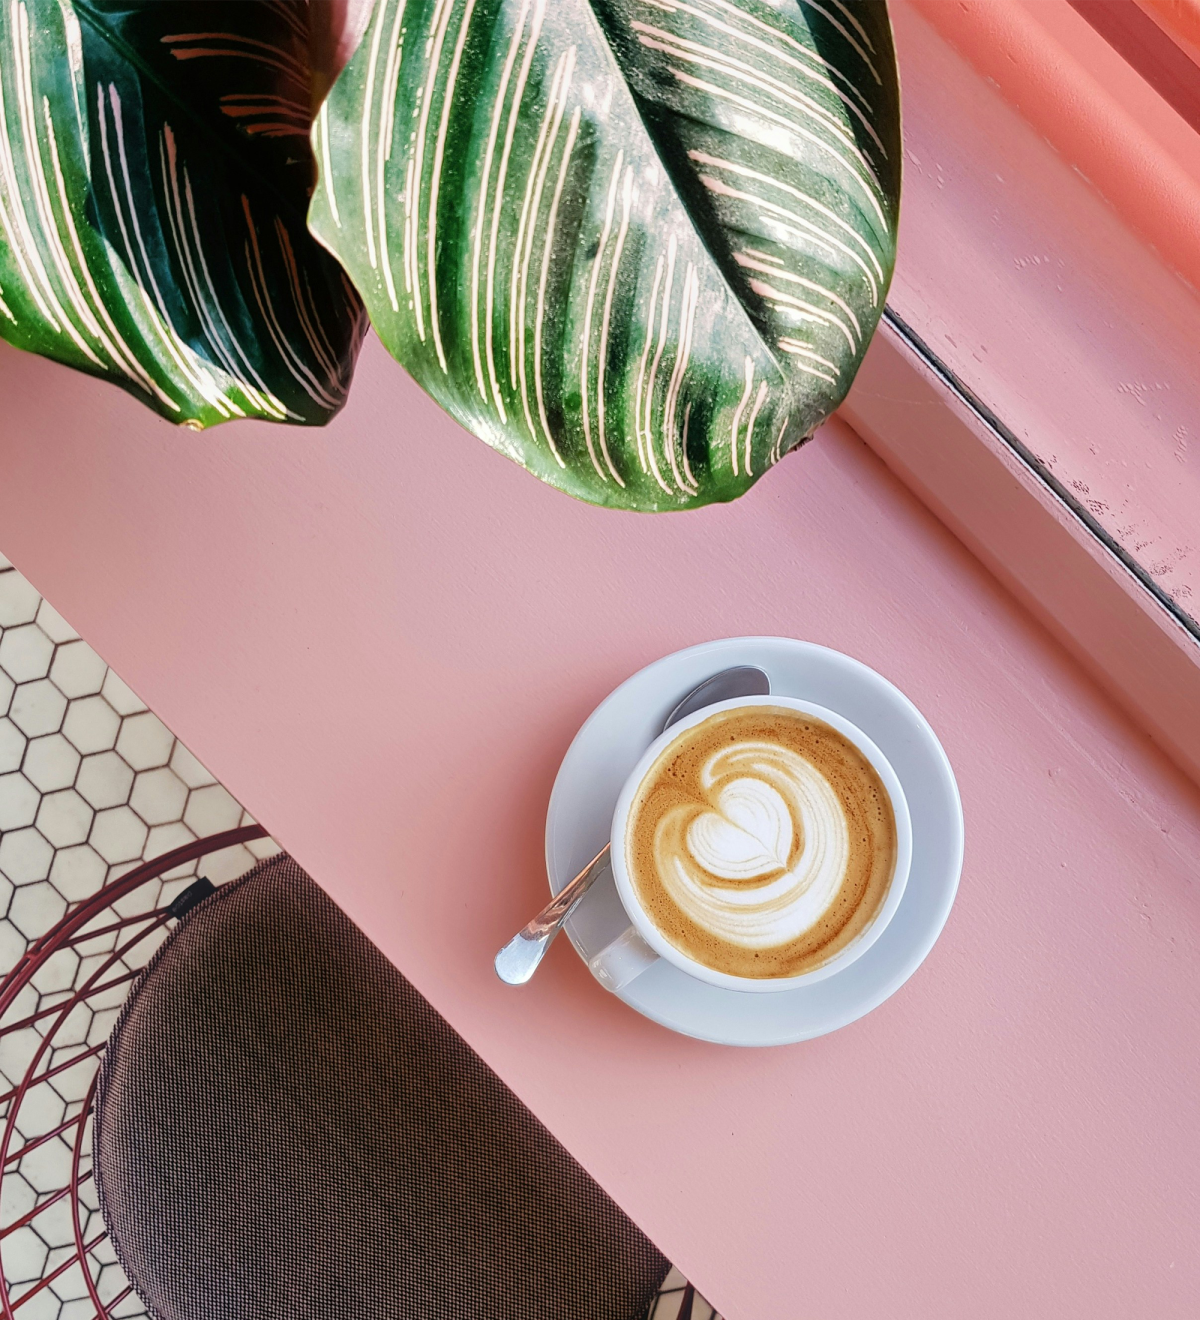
(154, 176)
(639, 246)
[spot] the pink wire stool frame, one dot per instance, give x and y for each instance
(107, 939)
(94, 953)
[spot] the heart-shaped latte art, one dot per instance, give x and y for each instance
(748, 835)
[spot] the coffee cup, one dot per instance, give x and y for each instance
(721, 836)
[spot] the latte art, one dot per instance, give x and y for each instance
(762, 842)
(776, 821)
(748, 834)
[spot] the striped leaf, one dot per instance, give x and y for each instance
(639, 246)
(154, 176)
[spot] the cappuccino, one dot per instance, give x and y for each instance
(761, 842)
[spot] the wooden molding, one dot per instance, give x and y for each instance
(972, 478)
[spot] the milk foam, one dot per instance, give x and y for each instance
(761, 842)
(760, 860)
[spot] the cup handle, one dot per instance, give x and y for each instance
(618, 963)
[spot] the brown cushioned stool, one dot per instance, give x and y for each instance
(286, 1130)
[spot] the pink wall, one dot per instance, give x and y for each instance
(1096, 111)
(1034, 289)
(409, 630)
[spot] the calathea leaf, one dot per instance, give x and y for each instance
(637, 245)
(154, 177)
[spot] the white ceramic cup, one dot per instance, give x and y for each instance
(642, 943)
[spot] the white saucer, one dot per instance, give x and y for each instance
(610, 744)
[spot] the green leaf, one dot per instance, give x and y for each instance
(639, 246)
(154, 177)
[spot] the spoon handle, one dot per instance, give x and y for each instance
(518, 960)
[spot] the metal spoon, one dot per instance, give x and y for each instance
(518, 960)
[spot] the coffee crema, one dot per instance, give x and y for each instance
(761, 842)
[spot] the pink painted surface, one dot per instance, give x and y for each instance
(408, 630)
(1033, 289)
(1086, 100)
(1032, 542)
(1180, 20)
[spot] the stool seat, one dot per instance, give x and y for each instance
(285, 1130)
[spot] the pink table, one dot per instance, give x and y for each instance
(408, 631)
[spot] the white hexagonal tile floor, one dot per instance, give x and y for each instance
(86, 771)
(91, 785)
